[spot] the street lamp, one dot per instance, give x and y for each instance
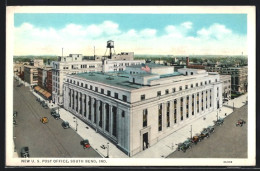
(108, 150)
(217, 114)
(76, 123)
(191, 131)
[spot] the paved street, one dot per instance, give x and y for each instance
(228, 141)
(43, 140)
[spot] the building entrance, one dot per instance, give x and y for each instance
(145, 141)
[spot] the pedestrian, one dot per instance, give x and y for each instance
(144, 145)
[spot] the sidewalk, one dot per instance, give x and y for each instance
(161, 149)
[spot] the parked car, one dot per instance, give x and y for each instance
(15, 114)
(25, 152)
(188, 143)
(240, 122)
(85, 143)
(53, 111)
(56, 115)
(65, 124)
(44, 105)
(204, 133)
(196, 139)
(219, 122)
(210, 129)
(44, 120)
(184, 146)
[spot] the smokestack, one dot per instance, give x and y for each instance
(187, 61)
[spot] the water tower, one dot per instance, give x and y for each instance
(110, 45)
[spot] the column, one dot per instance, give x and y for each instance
(178, 110)
(79, 103)
(164, 116)
(83, 104)
(184, 108)
(92, 110)
(104, 116)
(74, 100)
(118, 125)
(110, 120)
(171, 113)
(70, 102)
(97, 112)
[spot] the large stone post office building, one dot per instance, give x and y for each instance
(138, 107)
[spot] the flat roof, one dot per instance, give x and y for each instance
(120, 79)
(150, 65)
(114, 79)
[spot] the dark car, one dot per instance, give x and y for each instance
(240, 122)
(44, 105)
(85, 143)
(204, 133)
(188, 143)
(210, 129)
(184, 146)
(25, 152)
(219, 122)
(56, 115)
(15, 114)
(65, 124)
(53, 111)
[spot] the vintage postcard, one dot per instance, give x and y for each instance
(130, 86)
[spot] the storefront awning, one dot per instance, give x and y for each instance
(43, 92)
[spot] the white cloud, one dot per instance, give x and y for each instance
(216, 30)
(74, 38)
(148, 32)
(187, 25)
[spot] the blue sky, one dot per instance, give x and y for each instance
(141, 33)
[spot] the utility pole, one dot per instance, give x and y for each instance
(191, 131)
(76, 121)
(108, 150)
(233, 107)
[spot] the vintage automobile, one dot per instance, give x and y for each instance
(240, 122)
(44, 105)
(65, 124)
(56, 116)
(85, 143)
(196, 139)
(210, 129)
(185, 145)
(44, 120)
(15, 114)
(219, 122)
(25, 152)
(204, 133)
(53, 111)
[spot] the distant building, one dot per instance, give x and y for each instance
(140, 106)
(36, 62)
(226, 87)
(45, 78)
(238, 77)
(31, 74)
(193, 66)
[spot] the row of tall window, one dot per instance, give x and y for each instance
(168, 108)
(99, 90)
(167, 91)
